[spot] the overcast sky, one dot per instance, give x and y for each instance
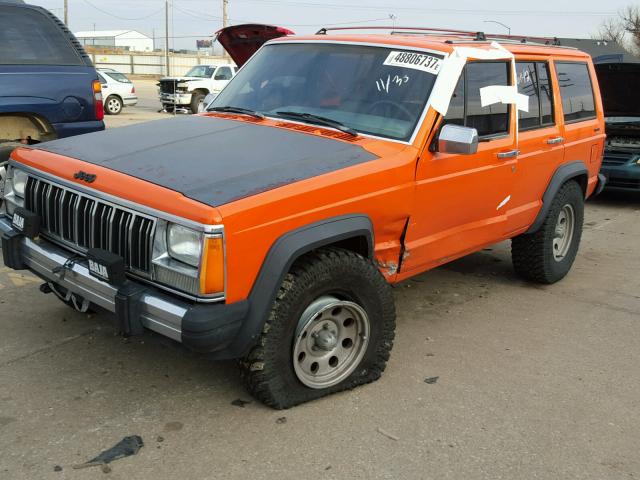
(191, 19)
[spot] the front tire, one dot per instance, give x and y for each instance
(331, 329)
(547, 255)
(113, 105)
(196, 99)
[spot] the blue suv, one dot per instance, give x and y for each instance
(48, 86)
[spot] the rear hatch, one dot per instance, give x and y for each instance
(43, 68)
(242, 41)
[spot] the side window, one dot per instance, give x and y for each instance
(576, 91)
(455, 114)
(223, 73)
(527, 81)
(533, 81)
(102, 79)
(465, 107)
(546, 94)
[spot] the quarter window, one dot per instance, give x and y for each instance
(578, 102)
(532, 79)
(465, 107)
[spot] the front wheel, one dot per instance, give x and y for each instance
(331, 329)
(196, 99)
(113, 105)
(547, 255)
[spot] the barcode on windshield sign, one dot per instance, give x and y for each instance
(416, 61)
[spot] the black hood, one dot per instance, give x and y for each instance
(620, 88)
(211, 160)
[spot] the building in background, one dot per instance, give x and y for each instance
(130, 40)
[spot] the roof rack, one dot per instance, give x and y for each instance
(446, 32)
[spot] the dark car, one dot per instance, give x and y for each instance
(619, 83)
(48, 86)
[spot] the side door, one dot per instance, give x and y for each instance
(582, 113)
(460, 199)
(221, 77)
(540, 141)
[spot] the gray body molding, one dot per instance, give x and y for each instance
(210, 159)
(283, 253)
(560, 177)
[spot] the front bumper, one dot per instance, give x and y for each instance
(622, 177)
(201, 327)
(175, 98)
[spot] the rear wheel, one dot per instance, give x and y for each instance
(113, 106)
(331, 329)
(547, 255)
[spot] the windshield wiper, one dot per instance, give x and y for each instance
(319, 120)
(240, 110)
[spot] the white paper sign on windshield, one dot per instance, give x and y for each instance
(414, 60)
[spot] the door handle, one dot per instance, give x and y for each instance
(555, 141)
(509, 154)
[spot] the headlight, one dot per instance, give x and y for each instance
(184, 244)
(19, 182)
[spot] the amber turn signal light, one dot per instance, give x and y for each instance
(212, 276)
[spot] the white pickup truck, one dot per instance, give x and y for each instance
(189, 91)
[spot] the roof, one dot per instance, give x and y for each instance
(108, 33)
(444, 43)
(602, 51)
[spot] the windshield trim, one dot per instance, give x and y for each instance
(414, 134)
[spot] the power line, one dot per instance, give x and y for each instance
(119, 17)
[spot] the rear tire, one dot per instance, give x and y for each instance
(348, 353)
(547, 255)
(113, 105)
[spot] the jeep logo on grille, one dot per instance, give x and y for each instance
(84, 176)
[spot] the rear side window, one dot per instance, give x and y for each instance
(465, 107)
(223, 73)
(29, 37)
(576, 91)
(533, 81)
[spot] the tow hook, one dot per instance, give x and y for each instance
(77, 302)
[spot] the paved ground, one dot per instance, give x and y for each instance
(532, 382)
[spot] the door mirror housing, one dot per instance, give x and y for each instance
(458, 139)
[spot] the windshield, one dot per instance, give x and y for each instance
(118, 77)
(372, 90)
(201, 71)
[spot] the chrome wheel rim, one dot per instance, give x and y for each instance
(563, 234)
(113, 105)
(330, 341)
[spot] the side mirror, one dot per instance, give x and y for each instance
(457, 139)
(202, 107)
(220, 77)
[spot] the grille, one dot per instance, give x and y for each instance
(84, 222)
(616, 158)
(168, 86)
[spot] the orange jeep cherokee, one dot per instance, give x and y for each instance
(334, 165)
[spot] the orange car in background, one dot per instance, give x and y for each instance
(333, 165)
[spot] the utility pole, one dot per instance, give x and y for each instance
(225, 21)
(66, 12)
(225, 13)
(166, 35)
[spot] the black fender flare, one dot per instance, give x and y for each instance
(563, 174)
(278, 261)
